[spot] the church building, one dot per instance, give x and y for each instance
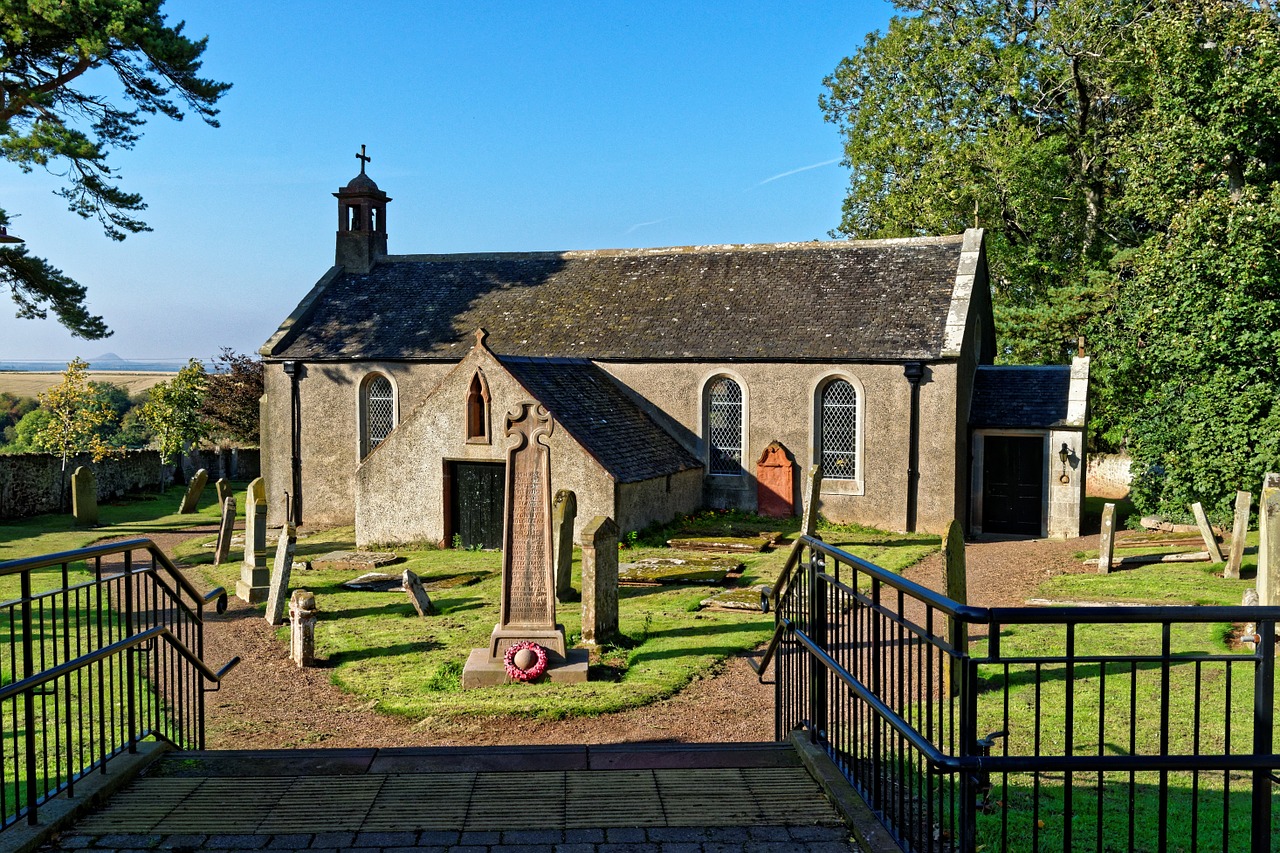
(669, 375)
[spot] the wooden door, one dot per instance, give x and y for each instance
(1012, 484)
(476, 503)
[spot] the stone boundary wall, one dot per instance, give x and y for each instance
(34, 483)
(238, 463)
(1108, 475)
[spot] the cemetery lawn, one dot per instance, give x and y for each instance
(379, 649)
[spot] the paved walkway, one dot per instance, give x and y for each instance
(668, 798)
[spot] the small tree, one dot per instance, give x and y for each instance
(232, 394)
(76, 416)
(172, 412)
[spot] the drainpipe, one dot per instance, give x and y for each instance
(293, 370)
(914, 372)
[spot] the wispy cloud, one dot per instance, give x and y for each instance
(797, 171)
(643, 224)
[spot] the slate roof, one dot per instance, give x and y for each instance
(1020, 396)
(604, 420)
(823, 301)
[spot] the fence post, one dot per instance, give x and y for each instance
(1263, 716)
(968, 829)
(818, 633)
(129, 673)
(29, 697)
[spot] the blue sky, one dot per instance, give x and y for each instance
(493, 127)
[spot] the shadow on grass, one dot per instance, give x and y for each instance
(396, 650)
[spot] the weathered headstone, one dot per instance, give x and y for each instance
(957, 590)
(1206, 533)
(564, 514)
(1239, 530)
(84, 497)
(1107, 539)
(223, 486)
(302, 629)
(254, 577)
(527, 609)
(812, 490)
(1269, 549)
(225, 531)
(194, 489)
(280, 573)
(417, 594)
(599, 580)
(775, 482)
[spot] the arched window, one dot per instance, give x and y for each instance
(379, 412)
(839, 436)
(724, 426)
(478, 410)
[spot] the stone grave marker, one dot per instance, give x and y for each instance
(84, 497)
(957, 590)
(417, 594)
(812, 490)
(1107, 539)
(254, 577)
(223, 487)
(564, 514)
(280, 573)
(1269, 549)
(599, 580)
(194, 489)
(1239, 530)
(1206, 533)
(775, 482)
(527, 608)
(225, 531)
(302, 628)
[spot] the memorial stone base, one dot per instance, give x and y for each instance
(482, 670)
(254, 585)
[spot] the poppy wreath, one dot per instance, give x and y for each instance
(538, 666)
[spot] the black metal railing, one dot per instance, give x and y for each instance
(102, 648)
(1050, 728)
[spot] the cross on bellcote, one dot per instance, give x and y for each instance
(363, 158)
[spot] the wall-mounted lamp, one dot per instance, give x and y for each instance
(1065, 455)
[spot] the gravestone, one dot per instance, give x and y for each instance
(599, 580)
(565, 513)
(194, 489)
(775, 483)
(280, 572)
(1206, 533)
(225, 531)
(1269, 547)
(1107, 539)
(223, 486)
(254, 577)
(84, 497)
(1269, 481)
(417, 594)
(1239, 530)
(812, 489)
(302, 628)
(527, 608)
(957, 590)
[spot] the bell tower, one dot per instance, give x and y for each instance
(362, 221)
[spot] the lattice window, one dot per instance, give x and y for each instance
(839, 431)
(379, 411)
(724, 426)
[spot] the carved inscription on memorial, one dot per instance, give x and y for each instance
(528, 572)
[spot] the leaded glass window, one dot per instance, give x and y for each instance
(724, 426)
(379, 411)
(839, 431)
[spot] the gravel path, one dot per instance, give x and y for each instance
(267, 702)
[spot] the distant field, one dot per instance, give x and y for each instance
(26, 384)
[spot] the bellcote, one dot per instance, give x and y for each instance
(362, 221)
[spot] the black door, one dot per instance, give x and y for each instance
(1012, 484)
(476, 503)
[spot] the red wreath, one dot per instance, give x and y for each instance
(539, 665)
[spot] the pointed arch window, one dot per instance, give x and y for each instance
(378, 412)
(477, 416)
(839, 437)
(724, 426)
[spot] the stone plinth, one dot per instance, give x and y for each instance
(255, 578)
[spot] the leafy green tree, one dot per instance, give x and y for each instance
(14, 407)
(78, 79)
(76, 417)
(172, 412)
(232, 396)
(24, 437)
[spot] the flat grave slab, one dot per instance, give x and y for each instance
(355, 561)
(675, 571)
(739, 598)
(383, 582)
